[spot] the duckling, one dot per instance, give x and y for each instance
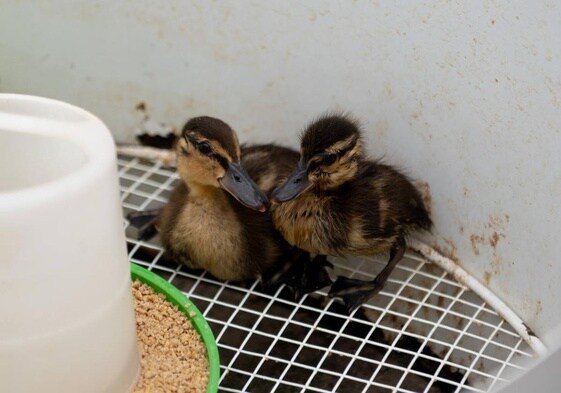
(215, 219)
(338, 203)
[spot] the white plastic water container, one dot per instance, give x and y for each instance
(67, 319)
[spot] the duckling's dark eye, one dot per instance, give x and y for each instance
(329, 159)
(204, 148)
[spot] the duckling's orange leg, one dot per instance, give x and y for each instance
(356, 292)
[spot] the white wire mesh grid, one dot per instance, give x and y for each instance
(423, 333)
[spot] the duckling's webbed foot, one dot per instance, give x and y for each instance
(309, 276)
(356, 292)
(287, 270)
(353, 292)
(315, 274)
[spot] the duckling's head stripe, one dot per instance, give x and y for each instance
(217, 132)
(331, 133)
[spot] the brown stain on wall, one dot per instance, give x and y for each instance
(476, 241)
(494, 239)
(487, 277)
(493, 233)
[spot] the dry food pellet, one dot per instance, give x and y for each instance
(173, 355)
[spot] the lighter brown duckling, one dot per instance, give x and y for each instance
(214, 219)
(338, 203)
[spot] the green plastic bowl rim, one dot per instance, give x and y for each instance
(176, 297)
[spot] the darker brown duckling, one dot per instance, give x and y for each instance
(338, 203)
(215, 218)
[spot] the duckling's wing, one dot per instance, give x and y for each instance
(395, 205)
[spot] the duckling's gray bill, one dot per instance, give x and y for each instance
(238, 183)
(296, 184)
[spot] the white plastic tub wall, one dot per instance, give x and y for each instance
(467, 97)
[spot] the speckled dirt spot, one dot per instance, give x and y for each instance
(476, 242)
(487, 275)
(494, 239)
(496, 225)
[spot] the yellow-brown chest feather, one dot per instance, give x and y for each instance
(211, 234)
(302, 222)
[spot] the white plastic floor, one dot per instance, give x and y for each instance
(423, 333)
